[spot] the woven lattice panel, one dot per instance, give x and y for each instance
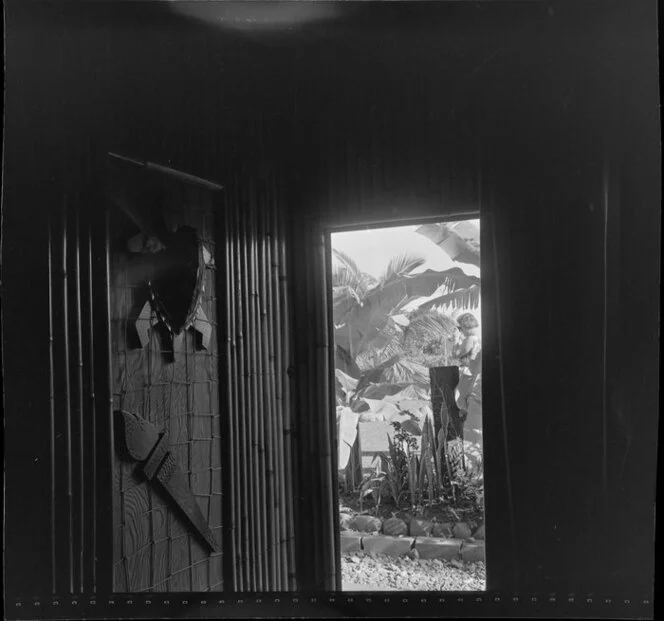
(174, 385)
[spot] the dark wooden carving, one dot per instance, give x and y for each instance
(171, 382)
(176, 284)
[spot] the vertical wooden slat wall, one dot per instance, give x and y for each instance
(259, 532)
(258, 475)
(73, 403)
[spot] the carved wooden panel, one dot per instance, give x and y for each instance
(173, 382)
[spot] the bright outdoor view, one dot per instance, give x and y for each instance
(409, 406)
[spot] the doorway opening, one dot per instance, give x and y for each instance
(408, 382)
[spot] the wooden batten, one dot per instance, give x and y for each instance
(282, 413)
(67, 394)
(225, 285)
(235, 388)
(269, 410)
(286, 347)
(82, 474)
(257, 453)
(51, 392)
(259, 419)
(72, 376)
(245, 398)
(92, 411)
(310, 412)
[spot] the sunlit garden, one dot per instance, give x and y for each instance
(408, 380)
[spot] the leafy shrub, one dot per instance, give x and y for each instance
(407, 476)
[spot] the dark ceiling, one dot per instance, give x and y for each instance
(157, 75)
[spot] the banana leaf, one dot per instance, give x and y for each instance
(387, 391)
(388, 411)
(367, 315)
(460, 241)
(348, 383)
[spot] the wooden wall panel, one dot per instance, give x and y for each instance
(174, 384)
(259, 476)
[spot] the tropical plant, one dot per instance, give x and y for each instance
(377, 344)
(408, 476)
(385, 338)
(429, 338)
(368, 315)
(460, 240)
(390, 401)
(392, 471)
(371, 486)
(402, 472)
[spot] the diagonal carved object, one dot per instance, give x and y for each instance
(147, 446)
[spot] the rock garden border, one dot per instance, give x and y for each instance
(418, 539)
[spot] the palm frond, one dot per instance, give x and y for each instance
(400, 266)
(406, 371)
(385, 344)
(348, 336)
(349, 283)
(429, 338)
(342, 261)
(468, 297)
(429, 325)
(373, 376)
(390, 297)
(345, 299)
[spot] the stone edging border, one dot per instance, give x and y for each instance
(424, 547)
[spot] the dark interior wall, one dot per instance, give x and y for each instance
(537, 115)
(561, 213)
(396, 111)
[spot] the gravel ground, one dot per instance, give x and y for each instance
(377, 572)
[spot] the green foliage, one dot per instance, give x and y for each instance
(408, 476)
(382, 357)
(459, 239)
(346, 434)
(363, 307)
(394, 483)
(370, 486)
(429, 338)
(468, 491)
